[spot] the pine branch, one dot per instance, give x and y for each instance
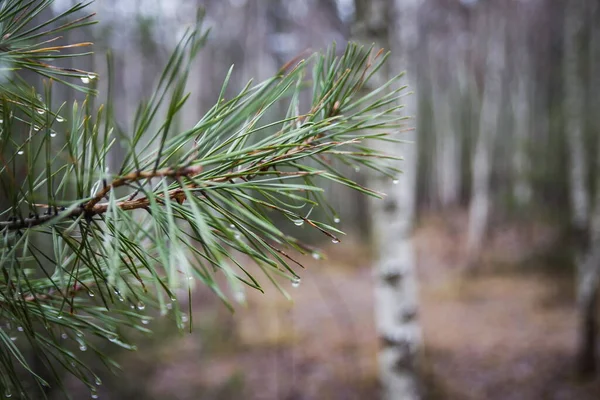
(208, 193)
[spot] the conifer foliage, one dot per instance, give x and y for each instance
(88, 249)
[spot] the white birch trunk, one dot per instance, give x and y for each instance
(488, 125)
(397, 290)
(396, 285)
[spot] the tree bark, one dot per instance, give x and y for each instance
(396, 284)
(446, 136)
(587, 256)
(488, 125)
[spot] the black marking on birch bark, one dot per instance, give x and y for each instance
(390, 340)
(392, 275)
(397, 339)
(390, 206)
(409, 314)
(405, 361)
(403, 349)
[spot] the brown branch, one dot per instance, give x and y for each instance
(135, 176)
(94, 207)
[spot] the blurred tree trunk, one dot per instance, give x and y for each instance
(588, 271)
(587, 256)
(574, 95)
(521, 104)
(396, 286)
(494, 29)
(447, 139)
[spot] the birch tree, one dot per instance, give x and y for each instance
(574, 106)
(447, 137)
(491, 101)
(585, 218)
(394, 24)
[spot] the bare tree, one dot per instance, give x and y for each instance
(488, 125)
(587, 256)
(447, 138)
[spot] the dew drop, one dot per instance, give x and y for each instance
(141, 305)
(13, 338)
(85, 79)
(357, 169)
(296, 282)
(60, 316)
(82, 347)
(237, 235)
(1, 121)
(20, 328)
(92, 76)
(41, 111)
(52, 134)
(145, 321)
(121, 299)
(7, 393)
(240, 296)
(316, 256)
(184, 318)
(64, 336)
(113, 338)
(335, 241)
(98, 381)
(336, 220)
(59, 119)
(299, 222)
(79, 334)
(232, 226)
(91, 294)
(395, 181)
(20, 152)
(94, 393)
(36, 128)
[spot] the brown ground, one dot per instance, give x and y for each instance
(507, 334)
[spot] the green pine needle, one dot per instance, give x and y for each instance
(85, 249)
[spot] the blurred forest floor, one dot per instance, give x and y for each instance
(505, 334)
